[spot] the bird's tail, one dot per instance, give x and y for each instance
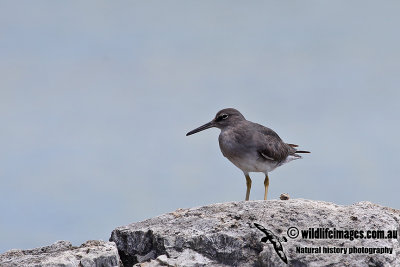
(302, 151)
(298, 151)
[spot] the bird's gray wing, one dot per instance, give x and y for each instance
(271, 146)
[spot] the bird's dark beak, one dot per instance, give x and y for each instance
(201, 128)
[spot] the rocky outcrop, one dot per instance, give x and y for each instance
(225, 235)
(252, 233)
(90, 254)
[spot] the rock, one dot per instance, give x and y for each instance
(284, 196)
(225, 235)
(90, 254)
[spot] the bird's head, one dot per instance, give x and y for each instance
(224, 118)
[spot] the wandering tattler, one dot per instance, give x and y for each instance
(250, 146)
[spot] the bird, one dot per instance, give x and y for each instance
(275, 241)
(250, 146)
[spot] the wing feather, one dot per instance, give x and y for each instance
(271, 146)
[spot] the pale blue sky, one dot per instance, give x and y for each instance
(96, 98)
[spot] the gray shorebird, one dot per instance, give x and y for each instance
(250, 146)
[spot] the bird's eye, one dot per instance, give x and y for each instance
(221, 117)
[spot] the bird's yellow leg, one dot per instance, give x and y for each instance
(266, 184)
(248, 184)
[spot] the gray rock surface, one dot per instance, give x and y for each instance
(90, 254)
(225, 235)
